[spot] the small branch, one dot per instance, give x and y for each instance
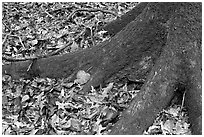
(12, 59)
(94, 10)
(9, 35)
(49, 14)
(6, 37)
(184, 94)
(59, 50)
(14, 36)
(21, 41)
(6, 25)
(90, 10)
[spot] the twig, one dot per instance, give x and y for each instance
(15, 36)
(12, 59)
(49, 14)
(6, 37)
(59, 50)
(94, 10)
(92, 37)
(63, 8)
(90, 10)
(5, 25)
(9, 35)
(21, 41)
(184, 94)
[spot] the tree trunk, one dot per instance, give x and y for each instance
(117, 25)
(161, 47)
(178, 66)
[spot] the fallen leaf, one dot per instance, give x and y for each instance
(82, 77)
(76, 124)
(107, 89)
(34, 42)
(24, 98)
(168, 126)
(74, 46)
(109, 113)
(173, 111)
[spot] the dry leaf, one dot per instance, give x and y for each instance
(107, 89)
(34, 42)
(24, 98)
(82, 77)
(74, 46)
(168, 126)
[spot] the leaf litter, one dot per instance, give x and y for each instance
(48, 106)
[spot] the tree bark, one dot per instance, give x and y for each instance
(117, 25)
(176, 66)
(161, 47)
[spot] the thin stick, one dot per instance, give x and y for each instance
(21, 41)
(14, 36)
(49, 14)
(6, 37)
(184, 94)
(90, 10)
(59, 50)
(94, 10)
(9, 34)
(12, 59)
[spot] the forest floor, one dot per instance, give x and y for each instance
(47, 106)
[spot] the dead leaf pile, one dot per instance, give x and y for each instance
(49, 106)
(32, 29)
(171, 121)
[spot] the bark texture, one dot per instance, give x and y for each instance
(117, 25)
(175, 67)
(161, 47)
